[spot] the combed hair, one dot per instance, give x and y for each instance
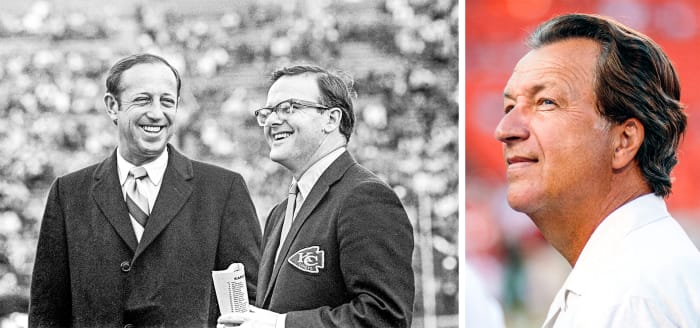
(114, 75)
(634, 79)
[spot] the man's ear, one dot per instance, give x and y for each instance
(333, 122)
(111, 106)
(628, 138)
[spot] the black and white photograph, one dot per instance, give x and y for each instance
(213, 163)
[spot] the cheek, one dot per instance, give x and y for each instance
(126, 127)
(170, 116)
(576, 157)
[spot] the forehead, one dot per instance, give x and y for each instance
(569, 63)
(153, 77)
(303, 86)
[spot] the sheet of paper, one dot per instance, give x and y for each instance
(231, 290)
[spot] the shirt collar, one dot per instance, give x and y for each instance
(309, 178)
(601, 248)
(155, 168)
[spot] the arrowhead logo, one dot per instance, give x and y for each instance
(309, 259)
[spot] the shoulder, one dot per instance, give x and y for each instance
(642, 306)
(629, 296)
(659, 268)
(360, 189)
(362, 195)
(359, 177)
(212, 175)
(630, 311)
(661, 248)
(210, 169)
(187, 166)
(87, 171)
(80, 177)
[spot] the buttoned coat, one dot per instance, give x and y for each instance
(90, 271)
(347, 259)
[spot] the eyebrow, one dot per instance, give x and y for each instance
(531, 90)
(279, 102)
(150, 94)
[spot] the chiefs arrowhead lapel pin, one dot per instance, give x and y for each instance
(309, 259)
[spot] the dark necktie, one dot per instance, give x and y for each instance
(288, 214)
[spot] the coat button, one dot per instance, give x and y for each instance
(126, 267)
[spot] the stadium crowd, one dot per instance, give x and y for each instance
(402, 54)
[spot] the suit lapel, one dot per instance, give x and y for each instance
(319, 190)
(107, 193)
(175, 189)
(268, 256)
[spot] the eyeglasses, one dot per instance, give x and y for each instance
(284, 109)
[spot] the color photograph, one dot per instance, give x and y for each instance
(581, 131)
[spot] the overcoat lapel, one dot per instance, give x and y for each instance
(175, 189)
(107, 193)
(334, 173)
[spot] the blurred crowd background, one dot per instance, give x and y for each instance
(520, 269)
(403, 54)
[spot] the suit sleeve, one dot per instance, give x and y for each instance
(376, 245)
(240, 235)
(50, 294)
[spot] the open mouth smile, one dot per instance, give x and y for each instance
(152, 128)
(281, 136)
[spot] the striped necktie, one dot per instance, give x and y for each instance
(136, 201)
(288, 214)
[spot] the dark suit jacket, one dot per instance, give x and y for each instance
(347, 259)
(91, 272)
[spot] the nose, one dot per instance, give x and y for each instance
(273, 119)
(513, 126)
(156, 111)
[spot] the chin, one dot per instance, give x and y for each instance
(277, 155)
(521, 201)
(154, 149)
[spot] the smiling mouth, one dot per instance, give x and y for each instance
(281, 136)
(152, 128)
(520, 161)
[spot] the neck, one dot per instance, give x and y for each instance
(137, 160)
(569, 226)
(329, 145)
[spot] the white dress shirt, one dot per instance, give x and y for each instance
(150, 185)
(312, 174)
(307, 181)
(638, 269)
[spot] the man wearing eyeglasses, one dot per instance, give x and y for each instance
(337, 252)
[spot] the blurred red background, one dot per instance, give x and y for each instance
(495, 34)
(517, 265)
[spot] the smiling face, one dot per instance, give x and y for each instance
(298, 141)
(145, 111)
(557, 147)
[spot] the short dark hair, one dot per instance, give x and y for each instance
(336, 91)
(115, 73)
(633, 79)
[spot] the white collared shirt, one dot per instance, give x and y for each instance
(307, 181)
(151, 184)
(312, 174)
(638, 269)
